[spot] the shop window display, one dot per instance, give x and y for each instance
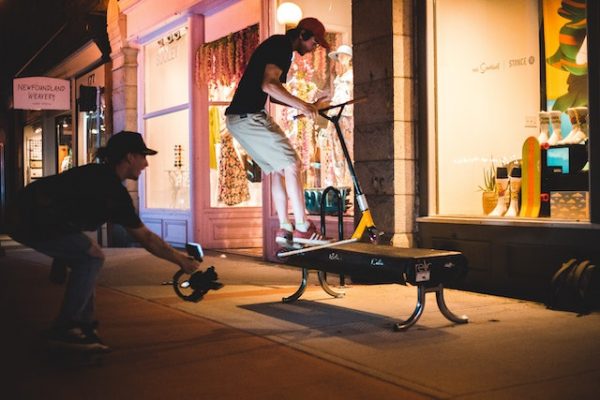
(168, 175)
(221, 64)
(510, 110)
(91, 122)
(167, 125)
(235, 180)
(310, 77)
(166, 69)
(64, 135)
(32, 135)
(334, 171)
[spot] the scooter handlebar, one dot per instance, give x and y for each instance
(324, 109)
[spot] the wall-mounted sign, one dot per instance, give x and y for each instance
(41, 93)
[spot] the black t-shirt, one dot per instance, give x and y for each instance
(249, 96)
(78, 199)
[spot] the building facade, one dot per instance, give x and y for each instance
(175, 67)
(495, 75)
(453, 91)
(450, 106)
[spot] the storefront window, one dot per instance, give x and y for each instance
(168, 175)
(311, 76)
(167, 126)
(93, 134)
(508, 107)
(167, 68)
(235, 179)
(64, 135)
(32, 136)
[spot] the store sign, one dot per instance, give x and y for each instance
(41, 93)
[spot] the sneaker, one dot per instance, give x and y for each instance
(91, 333)
(310, 237)
(284, 238)
(75, 338)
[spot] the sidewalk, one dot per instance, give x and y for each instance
(242, 342)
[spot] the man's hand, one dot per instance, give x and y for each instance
(322, 102)
(188, 264)
(312, 109)
(272, 86)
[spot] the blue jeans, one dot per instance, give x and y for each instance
(79, 299)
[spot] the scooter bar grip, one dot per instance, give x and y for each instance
(194, 250)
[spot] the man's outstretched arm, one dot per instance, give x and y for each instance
(158, 247)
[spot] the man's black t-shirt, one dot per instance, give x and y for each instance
(78, 199)
(249, 96)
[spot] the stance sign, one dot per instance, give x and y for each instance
(41, 93)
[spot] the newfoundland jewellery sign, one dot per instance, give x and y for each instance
(41, 93)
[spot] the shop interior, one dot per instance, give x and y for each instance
(521, 72)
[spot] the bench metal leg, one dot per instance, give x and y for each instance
(439, 295)
(327, 288)
(300, 290)
(402, 326)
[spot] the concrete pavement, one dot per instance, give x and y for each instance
(243, 342)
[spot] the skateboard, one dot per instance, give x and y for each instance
(531, 180)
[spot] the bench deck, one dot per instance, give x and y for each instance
(427, 269)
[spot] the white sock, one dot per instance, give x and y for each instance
(302, 226)
(286, 226)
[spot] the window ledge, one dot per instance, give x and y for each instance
(517, 222)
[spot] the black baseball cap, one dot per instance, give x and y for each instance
(128, 142)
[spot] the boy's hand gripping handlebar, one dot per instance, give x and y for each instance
(340, 106)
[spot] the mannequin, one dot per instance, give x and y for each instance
(334, 170)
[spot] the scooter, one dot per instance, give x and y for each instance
(366, 223)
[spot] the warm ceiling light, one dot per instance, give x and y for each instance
(289, 13)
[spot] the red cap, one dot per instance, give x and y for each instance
(316, 27)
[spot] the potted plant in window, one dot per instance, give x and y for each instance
(489, 196)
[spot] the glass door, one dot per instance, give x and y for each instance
(33, 161)
(64, 141)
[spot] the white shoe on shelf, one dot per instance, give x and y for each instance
(515, 188)
(501, 188)
(556, 128)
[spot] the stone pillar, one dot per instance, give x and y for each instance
(124, 71)
(124, 89)
(385, 125)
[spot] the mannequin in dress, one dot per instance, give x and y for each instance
(334, 170)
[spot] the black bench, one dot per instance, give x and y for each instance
(369, 263)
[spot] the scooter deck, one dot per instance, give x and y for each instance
(292, 250)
